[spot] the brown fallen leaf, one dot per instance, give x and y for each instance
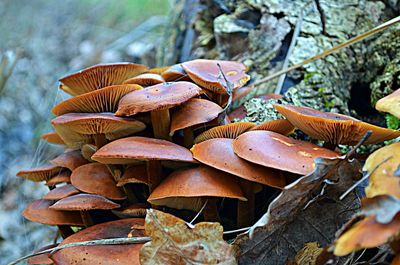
(383, 207)
(308, 255)
(173, 242)
(287, 226)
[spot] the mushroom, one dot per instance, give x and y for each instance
(189, 188)
(43, 258)
(158, 100)
(77, 129)
(146, 79)
(133, 210)
(38, 211)
(231, 131)
(332, 127)
(70, 160)
(137, 175)
(61, 193)
(53, 138)
(127, 254)
(84, 203)
(62, 177)
(136, 148)
(38, 174)
(175, 73)
(193, 112)
(158, 70)
(279, 126)
(95, 178)
(218, 153)
(273, 150)
(390, 104)
(87, 150)
(102, 100)
(99, 76)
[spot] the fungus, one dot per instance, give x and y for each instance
(62, 177)
(158, 100)
(43, 258)
(133, 210)
(38, 174)
(53, 138)
(99, 76)
(390, 104)
(145, 80)
(332, 127)
(193, 112)
(279, 126)
(61, 193)
(70, 160)
(231, 131)
(273, 150)
(102, 100)
(175, 73)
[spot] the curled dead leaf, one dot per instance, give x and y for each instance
(383, 207)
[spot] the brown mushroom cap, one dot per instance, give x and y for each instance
(218, 153)
(273, 150)
(99, 76)
(70, 160)
(195, 183)
(84, 202)
(207, 74)
(53, 138)
(158, 97)
(105, 254)
(43, 258)
(134, 174)
(136, 148)
(332, 127)
(146, 79)
(62, 177)
(367, 233)
(76, 128)
(134, 210)
(175, 73)
(38, 211)
(102, 100)
(61, 193)
(231, 131)
(194, 111)
(95, 178)
(38, 174)
(390, 104)
(279, 126)
(158, 70)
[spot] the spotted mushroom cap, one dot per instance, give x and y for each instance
(332, 127)
(99, 76)
(157, 97)
(193, 112)
(274, 150)
(136, 148)
(390, 104)
(207, 74)
(102, 100)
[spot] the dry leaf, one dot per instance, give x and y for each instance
(286, 226)
(308, 255)
(383, 207)
(174, 243)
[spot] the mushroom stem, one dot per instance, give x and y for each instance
(65, 230)
(245, 210)
(154, 173)
(161, 121)
(100, 140)
(210, 212)
(116, 173)
(188, 137)
(86, 218)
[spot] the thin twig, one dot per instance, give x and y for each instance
(296, 34)
(347, 43)
(352, 152)
(229, 87)
(244, 229)
(110, 241)
(198, 214)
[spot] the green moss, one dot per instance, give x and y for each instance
(392, 122)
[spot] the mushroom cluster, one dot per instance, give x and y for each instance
(137, 138)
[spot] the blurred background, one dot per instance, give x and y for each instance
(41, 41)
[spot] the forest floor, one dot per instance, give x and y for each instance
(53, 38)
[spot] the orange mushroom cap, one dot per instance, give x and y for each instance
(38, 211)
(218, 153)
(38, 174)
(43, 258)
(194, 111)
(134, 174)
(157, 97)
(146, 79)
(136, 148)
(273, 150)
(95, 178)
(53, 138)
(84, 202)
(195, 183)
(207, 74)
(70, 160)
(231, 131)
(99, 76)
(63, 177)
(158, 70)
(134, 210)
(175, 73)
(390, 104)
(104, 254)
(279, 126)
(61, 192)
(332, 127)
(102, 100)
